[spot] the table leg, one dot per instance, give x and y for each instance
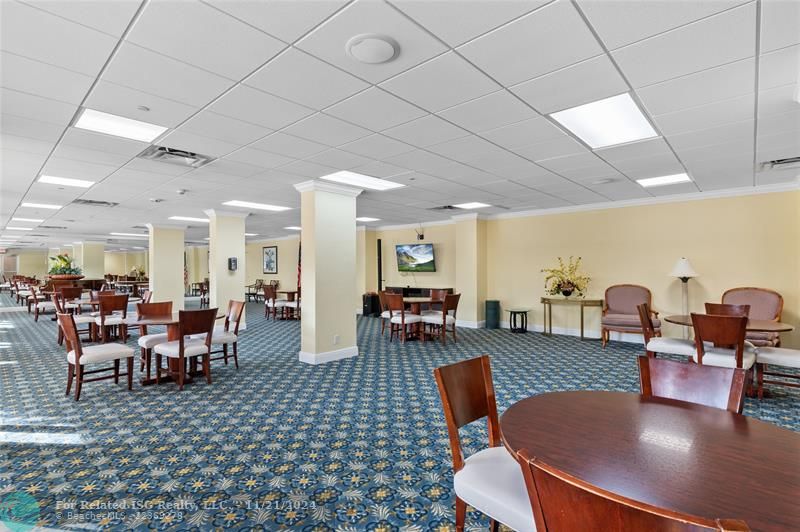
(525, 322)
(549, 319)
(173, 364)
(581, 322)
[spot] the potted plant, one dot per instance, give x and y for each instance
(63, 268)
(137, 272)
(566, 279)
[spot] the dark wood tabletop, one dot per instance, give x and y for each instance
(680, 456)
(752, 325)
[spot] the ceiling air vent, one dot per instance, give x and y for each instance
(444, 208)
(50, 227)
(781, 164)
(162, 154)
(95, 203)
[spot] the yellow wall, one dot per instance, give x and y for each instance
(33, 262)
(287, 262)
(196, 263)
(444, 248)
(740, 241)
(121, 263)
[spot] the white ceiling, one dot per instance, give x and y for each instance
(460, 115)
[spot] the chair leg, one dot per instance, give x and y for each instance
(461, 514)
(761, 369)
(181, 371)
(148, 354)
(235, 355)
(116, 371)
(130, 373)
(207, 367)
(225, 353)
(494, 526)
(604, 337)
(158, 368)
(78, 381)
(141, 359)
(383, 325)
(70, 376)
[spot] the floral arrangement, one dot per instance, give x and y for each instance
(565, 279)
(63, 265)
(138, 272)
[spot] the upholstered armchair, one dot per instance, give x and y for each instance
(620, 311)
(764, 304)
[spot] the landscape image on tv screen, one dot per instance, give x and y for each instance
(415, 258)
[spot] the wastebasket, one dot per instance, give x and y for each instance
(492, 314)
(371, 305)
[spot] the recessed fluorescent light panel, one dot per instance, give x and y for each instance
(367, 219)
(189, 219)
(32, 220)
(118, 126)
(251, 234)
(65, 181)
(41, 206)
(664, 180)
(362, 181)
(259, 206)
(472, 205)
(607, 122)
(294, 228)
(19, 228)
(138, 235)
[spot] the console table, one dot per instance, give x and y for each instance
(548, 310)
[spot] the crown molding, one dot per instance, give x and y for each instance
(182, 227)
(316, 185)
(435, 223)
(295, 236)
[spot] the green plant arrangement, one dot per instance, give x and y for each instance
(63, 265)
(137, 272)
(565, 279)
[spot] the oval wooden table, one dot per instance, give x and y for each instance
(752, 325)
(680, 456)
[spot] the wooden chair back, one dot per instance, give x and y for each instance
(162, 308)
(722, 331)
(234, 315)
(467, 394)
(197, 322)
(147, 296)
(723, 309)
(450, 304)
(97, 293)
(70, 292)
(394, 303)
(437, 294)
(59, 301)
(382, 300)
(694, 383)
(270, 294)
(109, 304)
(73, 341)
(645, 317)
(765, 304)
(561, 502)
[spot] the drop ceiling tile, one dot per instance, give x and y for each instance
(715, 135)
(341, 160)
(489, 112)
(366, 16)
(25, 127)
(773, 177)
(36, 108)
(504, 188)
(555, 147)
(621, 22)
(228, 167)
(722, 178)
(581, 196)
(778, 100)
(426, 131)
(109, 17)
(287, 21)
(779, 67)
(620, 190)
(302, 78)
(556, 28)
(37, 78)
(307, 169)
(705, 116)
(738, 153)
(523, 133)
(563, 165)
(377, 147)
(441, 83)
(39, 35)
(780, 24)
(719, 39)
(123, 101)
(20, 168)
(650, 166)
(27, 145)
(77, 169)
(259, 158)
(327, 130)
(780, 146)
(75, 153)
(466, 148)
(165, 77)
(289, 146)
(474, 18)
(779, 123)
(704, 87)
(375, 109)
(183, 140)
(200, 35)
(145, 166)
(634, 150)
(257, 107)
(419, 160)
(567, 87)
(221, 127)
(380, 169)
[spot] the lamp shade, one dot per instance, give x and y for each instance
(683, 269)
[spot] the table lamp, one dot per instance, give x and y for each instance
(683, 270)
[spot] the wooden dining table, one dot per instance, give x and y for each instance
(752, 325)
(671, 454)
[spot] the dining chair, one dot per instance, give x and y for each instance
(443, 320)
(147, 341)
(385, 314)
(723, 309)
(112, 313)
(694, 383)
(271, 302)
(60, 302)
(437, 296)
(184, 348)
(94, 295)
(654, 343)
(777, 356)
(79, 356)
(719, 341)
(204, 298)
(294, 305)
(147, 296)
(42, 304)
(765, 304)
(619, 310)
(70, 294)
(562, 502)
(224, 335)
(489, 480)
(399, 319)
(33, 299)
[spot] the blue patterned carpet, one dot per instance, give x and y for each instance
(359, 444)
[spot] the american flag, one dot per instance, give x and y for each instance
(299, 255)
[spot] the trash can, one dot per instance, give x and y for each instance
(371, 305)
(492, 314)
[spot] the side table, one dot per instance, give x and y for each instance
(522, 315)
(548, 310)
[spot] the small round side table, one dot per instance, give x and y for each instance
(518, 321)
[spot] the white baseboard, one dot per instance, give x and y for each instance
(471, 324)
(617, 336)
(329, 356)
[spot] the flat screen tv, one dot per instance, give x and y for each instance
(415, 258)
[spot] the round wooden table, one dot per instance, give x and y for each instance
(752, 325)
(685, 457)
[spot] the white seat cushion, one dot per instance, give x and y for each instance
(726, 358)
(101, 353)
(410, 318)
(45, 305)
(81, 319)
(275, 304)
(672, 346)
(113, 319)
(491, 481)
(385, 314)
(190, 348)
(436, 319)
(149, 341)
(778, 356)
(219, 336)
(291, 304)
